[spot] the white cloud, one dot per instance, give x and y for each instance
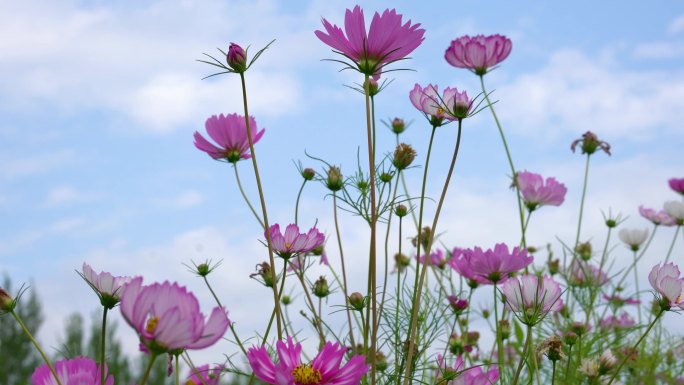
(65, 194)
(676, 25)
(659, 50)
(184, 200)
(575, 93)
(15, 167)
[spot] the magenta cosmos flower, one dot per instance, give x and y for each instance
(230, 133)
(106, 286)
(76, 371)
(490, 266)
(167, 317)
(451, 105)
(202, 375)
(532, 297)
(324, 369)
(293, 242)
(387, 40)
(437, 259)
(677, 185)
(478, 53)
(656, 217)
(536, 192)
(622, 322)
(459, 375)
(666, 281)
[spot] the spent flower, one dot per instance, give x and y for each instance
(590, 143)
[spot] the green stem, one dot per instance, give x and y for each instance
(499, 340)
(344, 271)
(396, 309)
(299, 195)
(636, 284)
(177, 373)
(148, 369)
(581, 212)
(389, 224)
(669, 252)
(36, 345)
(624, 360)
(273, 313)
(269, 242)
(244, 196)
(523, 356)
(312, 306)
(553, 373)
(102, 345)
(218, 302)
(567, 366)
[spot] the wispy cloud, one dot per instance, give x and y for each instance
(16, 167)
(66, 194)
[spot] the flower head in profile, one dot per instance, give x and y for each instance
(386, 41)
(532, 297)
(590, 143)
(656, 217)
(675, 209)
(437, 259)
(459, 375)
(290, 370)
(451, 105)
(106, 286)
(167, 317)
(633, 238)
(75, 371)
(666, 281)
(293, 242)
(536, 192)
(677, 185)
(583, 274)
(478, 53)
(490, 266)
(202, 375)
(230, 133)
(624, 321)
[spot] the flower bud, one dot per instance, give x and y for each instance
(237, 58)
(372, 86)
(203, 269)
(386, 177)
(485, 313)
(400, 210)
(7, 304)
(504, 329)
(584, 250)
(458, 305)
(357, 301)
(398, 125)
(554, 266)
(401, 260)
(404, 155)
(472, 338)
(570, 338)
(286, 300)
(381, 361)
(308, 173)
(334, 181)
(579, 328)
(320, 288)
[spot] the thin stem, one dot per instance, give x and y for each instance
(499, 340)
(595, 291)
(636, 284)
(669, 252)
(396, 310)
(344, 271)
(149, 368)
(567, 365)
(523, 356)
(553, 373)
(269, 242)
(193, 368)
(177, 373)
(299, 195)
(273, 313)
(36, 345)
(389, 225)
(218, 302)
(312, 306)
(244, 196)
(102, 345)
(584, 194)
(624, 360)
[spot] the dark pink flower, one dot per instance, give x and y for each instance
(230, 133)
(293, 242)
(656, 217)
(532, 297)
(490, 266)
(666, 281)
(202, 375)
(167, 317)
(76, 371)
(677, 185)
(478, 53)
(459, 375)
(535, 192)
(236, 58)
(323, 370)
(106, 286)
(387, 40)
(458, 305)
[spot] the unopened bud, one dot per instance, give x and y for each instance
(237, 58)
(504, 329)
(286, 300)
(357, 301)
(398, 125)
(203, 269)
(320, 288)
(570, 338)
(400, 210)
(458, 305)
(7, 304)
(554, 266)
(381, 361)
(584, 250)
(308, 173)
(371, 85)
(334, 181)
(404, 155)
(402, 260)
(386, 177)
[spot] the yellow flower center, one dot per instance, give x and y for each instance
(288, 245)
(306, 375)
(151, 324)
(190, 382)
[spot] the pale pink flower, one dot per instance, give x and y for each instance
(461, 376)
(532, 297)
(323, 370)
(618, 301)
(633, 238)
(230, 133)
(675, 209)
(76, 371)
(478, 53)
(167, 317)
(656, 217)
(106, 286)
(622, 322)
(293, 242)
(202, 375)
(490, 266)
(387, 40)
(581, 273)
(536, 192)
(666, 281)
(437, 259)
(451, 105)
(677, 185)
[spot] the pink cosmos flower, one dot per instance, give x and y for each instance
(656, 217)
(622, 322)
(478, 53)
(666, 281)
(76, 371)
(205, 376)
(451, 105)
(618, 301)
(230, 133)
(106, 286)
(167, 317)
(490, 266)
(324, 369)
(437, 259)
(387, 40)
(535, 192)
(293, 242)
(461, 376)
(532, 297)
(677, 185)
(581, 273)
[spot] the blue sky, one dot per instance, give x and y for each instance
(99, 101)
